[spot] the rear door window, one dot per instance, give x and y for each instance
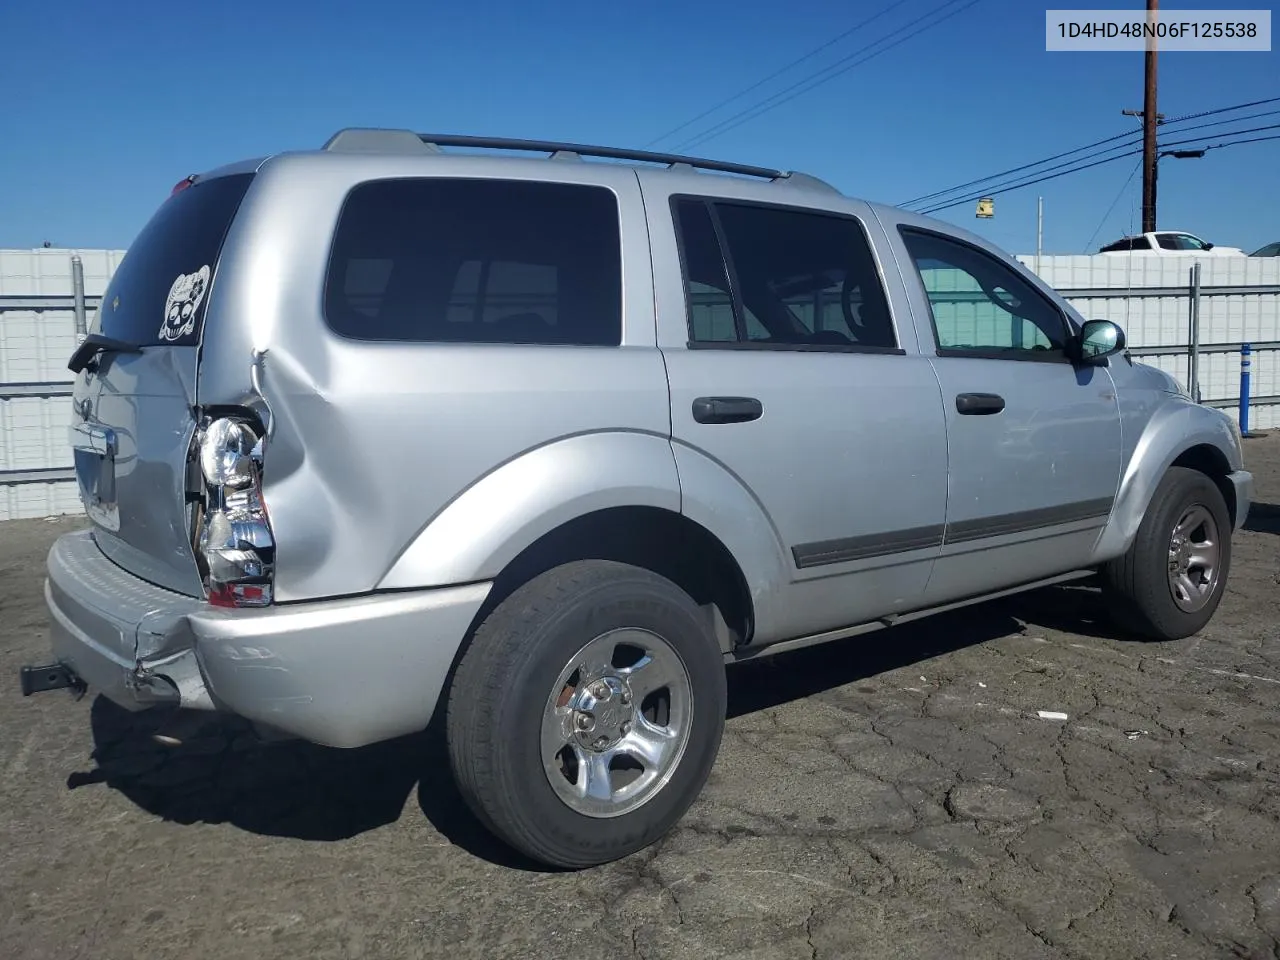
(159, 293)
(440, 260)
(782, 278)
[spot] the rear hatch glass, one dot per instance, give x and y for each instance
(132, 420)
(157, 295)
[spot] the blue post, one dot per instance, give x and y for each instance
(1245, 351)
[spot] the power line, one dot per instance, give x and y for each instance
(1224, 133)
(993, 188)
(777, 73)
(1057, 156)
(1218, 123)
(815, 80)
(1098, 229)
(1076, 169)
(1027, 183)
(1232, 143)
(1132, 134)
(804, 86)
(1210, 113)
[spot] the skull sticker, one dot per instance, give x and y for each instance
(180, 309)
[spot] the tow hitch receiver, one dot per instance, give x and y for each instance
(55, 676)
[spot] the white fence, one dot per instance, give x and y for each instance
(38, 300)
(1155, 301)
(1152, 298)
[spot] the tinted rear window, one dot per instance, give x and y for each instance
(477, 261)
(159, 293)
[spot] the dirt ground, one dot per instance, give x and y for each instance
(892, 795)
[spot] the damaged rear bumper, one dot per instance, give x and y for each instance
(116, 632)
(338, 672)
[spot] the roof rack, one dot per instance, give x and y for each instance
(370, 140)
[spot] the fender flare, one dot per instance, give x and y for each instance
(480, 531)
(1173, 430)
(717, 500)
(477, 534)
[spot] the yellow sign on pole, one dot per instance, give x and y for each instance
(986, 208)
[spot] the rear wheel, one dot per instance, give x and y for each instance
(585, 716)
(1170, 582)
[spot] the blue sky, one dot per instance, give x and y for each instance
(105, 109)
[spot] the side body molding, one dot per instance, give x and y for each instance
(1174, 428)
(487, 525)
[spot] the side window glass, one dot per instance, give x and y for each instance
(438, 260)
(808, 278)
(1141, 243)
(521, 293)
(1168, 241)
(366, 282)
(706, 281)
(980, 305)
(800, 278)
(710, 312)
(465, 297)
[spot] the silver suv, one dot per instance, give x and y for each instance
(542, 444)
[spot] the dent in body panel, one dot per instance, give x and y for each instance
(493, 520)
(370, 440)
(423, 432)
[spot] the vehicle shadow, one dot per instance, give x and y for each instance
(221, 773)
(1263, 518)
(775, 680)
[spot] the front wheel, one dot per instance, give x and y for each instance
(585, 715)
(1170, 582)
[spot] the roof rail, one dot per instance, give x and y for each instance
(587, 150)
(368, 140)
(374, 140)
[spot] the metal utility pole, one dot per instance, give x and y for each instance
(1039, 226)
(77, 294)
(1149, 129)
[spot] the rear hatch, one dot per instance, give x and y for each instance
(135, 392)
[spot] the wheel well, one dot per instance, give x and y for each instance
(1213, 463)
(669, 544)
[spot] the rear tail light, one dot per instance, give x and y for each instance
(233, 541)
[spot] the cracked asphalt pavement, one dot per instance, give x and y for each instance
(897, 794)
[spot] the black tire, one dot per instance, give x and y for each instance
(499, 693)
(1136, 585)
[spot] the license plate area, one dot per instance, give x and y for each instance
(94, 447)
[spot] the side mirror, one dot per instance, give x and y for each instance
(1208, 245)
(1098, 340)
